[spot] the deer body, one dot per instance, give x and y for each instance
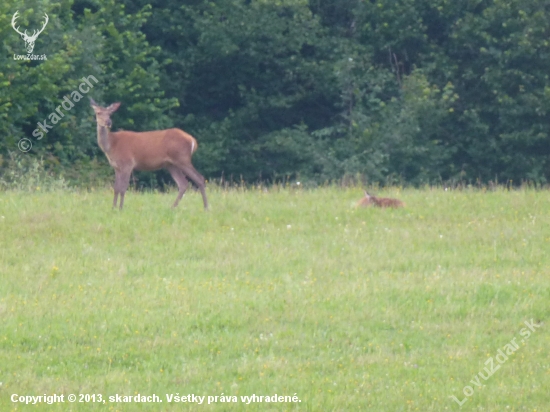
(370, 200)
(146, 151)
(170, 149)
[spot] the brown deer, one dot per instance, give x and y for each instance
(169, 149)
(369, 200)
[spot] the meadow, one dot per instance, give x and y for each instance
(277, 291)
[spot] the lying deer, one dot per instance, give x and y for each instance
(169, 149)
(369, 200)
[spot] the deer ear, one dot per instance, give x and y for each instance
(93, 103)
(113, 108)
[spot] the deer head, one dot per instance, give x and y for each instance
(29, 40)
(103, 114)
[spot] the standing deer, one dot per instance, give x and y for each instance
(29, 40)
(369, 200)
(169, 149)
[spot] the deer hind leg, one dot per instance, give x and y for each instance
(197, 178)
(180, 180)
(122, 181)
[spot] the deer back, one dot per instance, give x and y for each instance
(370, 200)
(388, 202)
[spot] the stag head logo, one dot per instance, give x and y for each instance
(29, 40)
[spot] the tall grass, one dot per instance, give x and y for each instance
(275, 291)
(28, 174)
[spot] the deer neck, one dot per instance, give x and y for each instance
(104, 139)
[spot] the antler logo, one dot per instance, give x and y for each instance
(29, 40)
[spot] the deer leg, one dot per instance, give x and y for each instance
(116, 187)
(180, 180)
(197, 178)
(124, 181)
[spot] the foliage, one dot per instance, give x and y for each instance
(28, 174)
(116, 54)
(412, 91)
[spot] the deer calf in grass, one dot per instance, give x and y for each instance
(169, 149)
(369, 200)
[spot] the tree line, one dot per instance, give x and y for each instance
(395, 91)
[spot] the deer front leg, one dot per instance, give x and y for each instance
(122, 180)
(116, 187)
(123, 184)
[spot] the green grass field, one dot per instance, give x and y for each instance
(280, 292)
